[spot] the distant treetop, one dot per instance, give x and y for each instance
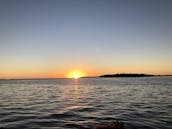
(126, 75)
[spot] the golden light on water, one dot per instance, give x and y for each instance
(75, 74)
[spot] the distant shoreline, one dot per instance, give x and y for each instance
(126, 75)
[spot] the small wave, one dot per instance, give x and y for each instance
(62, 115)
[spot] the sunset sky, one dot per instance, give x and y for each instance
(51, 38)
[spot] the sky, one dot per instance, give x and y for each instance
(50, 38)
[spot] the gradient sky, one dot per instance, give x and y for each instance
(49, 38)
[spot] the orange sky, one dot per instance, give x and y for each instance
(92, 71)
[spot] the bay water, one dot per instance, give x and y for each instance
(140, 103)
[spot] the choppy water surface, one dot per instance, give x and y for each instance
(141, 103)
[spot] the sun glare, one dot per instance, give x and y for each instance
(75, 74)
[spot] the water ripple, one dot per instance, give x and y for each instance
(141, 103)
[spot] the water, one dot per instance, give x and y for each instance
(140, 103)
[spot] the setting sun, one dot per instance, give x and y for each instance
(75, 74)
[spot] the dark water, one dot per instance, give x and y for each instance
(141, 103)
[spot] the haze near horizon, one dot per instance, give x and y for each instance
(51, 38)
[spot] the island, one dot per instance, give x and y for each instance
(126, 75)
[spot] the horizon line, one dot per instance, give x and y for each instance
(41, 78)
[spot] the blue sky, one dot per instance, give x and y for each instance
(46, 37)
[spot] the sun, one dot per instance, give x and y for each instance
(75, 74)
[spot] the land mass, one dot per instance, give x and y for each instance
(126, 75)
